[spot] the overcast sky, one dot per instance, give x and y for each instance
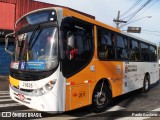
(106, 10)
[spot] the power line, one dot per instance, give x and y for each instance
(131, 8)
(118, 21)
(148, 32)
(151, 34)
(152, 31)
(138, 10)
(147, 8)
(134, 21)
(145, 4)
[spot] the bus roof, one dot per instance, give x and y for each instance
(88, 18)
(135, 37)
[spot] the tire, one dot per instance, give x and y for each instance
(146, 84)
(100, 102)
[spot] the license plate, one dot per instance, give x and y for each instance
(27, 85)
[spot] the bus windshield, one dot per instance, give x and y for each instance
(36, 50)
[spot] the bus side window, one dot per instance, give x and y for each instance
(78, 45)
(153, 54)
(122, 48)
(135, 50)
(105, 44)
(145, 53)
(71, 48)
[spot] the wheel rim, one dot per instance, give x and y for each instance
(100, 98)
(146, 84)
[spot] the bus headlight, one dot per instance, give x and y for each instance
(45, 89)
(49, 85)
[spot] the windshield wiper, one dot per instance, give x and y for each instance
(21, 45)
(32, 35)
(30, 46)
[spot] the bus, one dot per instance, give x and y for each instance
(159, 64)
(63, 60)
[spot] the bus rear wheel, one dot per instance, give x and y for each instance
(101, 98)
(146, 84)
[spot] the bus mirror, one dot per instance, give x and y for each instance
(6, 43)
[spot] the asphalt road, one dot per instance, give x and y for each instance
(123, 106)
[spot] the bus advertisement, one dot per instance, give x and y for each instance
(64, 60)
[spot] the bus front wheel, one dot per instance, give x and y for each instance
(101, 98)
(146, 84)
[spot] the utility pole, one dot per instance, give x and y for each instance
(118, 21)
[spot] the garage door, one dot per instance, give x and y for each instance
(5, 59)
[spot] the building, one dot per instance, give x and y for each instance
(10, 11)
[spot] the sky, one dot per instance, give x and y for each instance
(106, 10)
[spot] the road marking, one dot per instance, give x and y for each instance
(116, 108)
(58, 118)
(139, 118)
(10, 105)
(4, 92)
(4, 96)
(3, 100)
(66, 117)
(157, 109)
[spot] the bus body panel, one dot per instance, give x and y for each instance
(54, 100)
(78, 87)
(134, 73)
(113, 72)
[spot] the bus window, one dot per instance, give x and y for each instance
(134, 50)
(145, 52)
(153, 54)
(78, 45)
(122, 48)
(105, 45)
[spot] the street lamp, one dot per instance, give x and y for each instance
(135, 20)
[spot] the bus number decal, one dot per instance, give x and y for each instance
(27, 85)
(82, 94)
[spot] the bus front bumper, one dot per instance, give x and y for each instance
(47, 102)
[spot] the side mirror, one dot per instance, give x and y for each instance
(6, 43)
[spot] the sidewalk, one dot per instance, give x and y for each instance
(4, 83)
(3, 77)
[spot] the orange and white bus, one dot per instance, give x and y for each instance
(64, 60)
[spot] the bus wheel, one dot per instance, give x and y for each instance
(101, 98)
(146, 84)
